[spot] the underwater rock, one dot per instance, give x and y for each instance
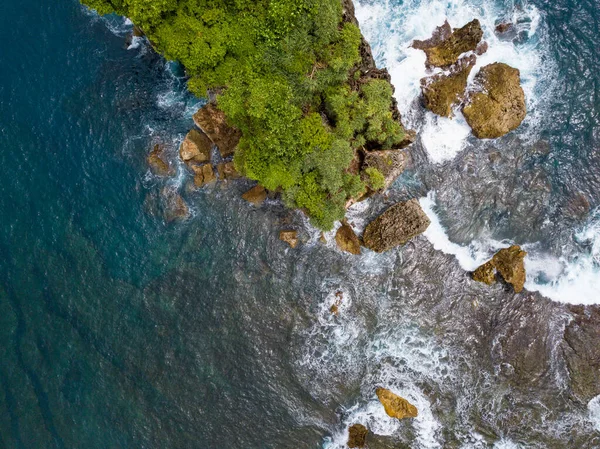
(390, 163)
(173, 205)
(157, 164)
(195, 147)
(508, 262)
(256, 195)
(396, 226)
(395, 406)
(446, 45)
(289, 237)
(497, 104)
(213, 122)
(443, 91)
(203, 175)
(346, 239)
(357, 436)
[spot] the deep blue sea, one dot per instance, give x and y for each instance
(121, 330)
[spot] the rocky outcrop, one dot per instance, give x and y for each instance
(213, 122)
(390, 163)
(508, 263)
(357, 436)
(157, 163)
(196, 147)
(443, 91)
(395, 406)
(396, 226)
(203, 175)
(256, 195)
(227, 171)
(446, 45)
(289, 237)
(496, 105)
(173, 205)
(347, 240)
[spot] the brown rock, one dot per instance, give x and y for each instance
(173, 205)
(357, 435)
(157, 164)
(396, 226)
(497, 105)
(227, 171)
(204, 175)
(395, 406)
(508, 262)
(289, 237)
(347, 240)
(213, 122)
(443, 91)
(322, 238)
(445, 46)
(256, 195)
(196, 147)
(503, 27)
(390, 163)
(486, 273)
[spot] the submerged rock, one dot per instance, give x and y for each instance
(446, 45)
(347, 240)
(390, 163)
(508, 262)
(443, 91)
(173, 205)
(256, 195)
(213, 122)
(395, 406)
(289, 237)
(497, 105)
(157, 164)
(196, 147)
(396, 226)
(357, 436)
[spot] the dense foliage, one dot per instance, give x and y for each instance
(283, 69)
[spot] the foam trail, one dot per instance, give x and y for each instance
(594, 412)
(574, 280)
(391, 26)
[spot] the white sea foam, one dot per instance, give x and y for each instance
(594, 412)
(572, 279)
(391, 26)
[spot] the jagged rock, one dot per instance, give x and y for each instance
(508, 262)
(173, 205)
(227, 171)
(390, 163)
(137, 31)
(395, 406)
(446, 45)
(256, 195)
(497, 104)
(335, 307)
(443, 91)
(289, 237)
(322, 238)
(195, 147)
(357, 435)
(213, 122)
(503, 27)
(396, 226)
(347, 240)
(157, 164)
(203, 175)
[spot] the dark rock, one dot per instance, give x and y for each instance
(347, 240)
(443, 91)
(497, 105)
(445, 46)
(213, 122)
(390, 163)
(396, 406)
(173, 205)
(508, 262)
(157, 163)
(357, 435)
(289, 237)
(196, 147)
(396, 226)
(256, 195)
(503, 27)
(227, 171)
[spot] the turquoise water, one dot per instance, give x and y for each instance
(120, 330)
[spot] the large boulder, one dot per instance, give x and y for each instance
(213, 122)
(446, 45)
(256, 195)
(357, 436)
(395, 406)
(157, 163)
(442, 91)
(203, 175)
(390, 163)
(396, 226)
(496, 105)
(196, 147)
(347, 240)
(508, 263)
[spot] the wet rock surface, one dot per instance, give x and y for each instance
(157, 162)
(446, 45)
(203, 175)
(508, 262)
(357, 436)
(396, 406)
(196, 147)
(256, 195)
(290, 237)
(396, 226)
(346, 239)
(496, 105)
(213, 122)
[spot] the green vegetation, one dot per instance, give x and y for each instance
(376, 178)
(284, 70)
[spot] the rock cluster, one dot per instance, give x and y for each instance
(508, 263)
(396, 406)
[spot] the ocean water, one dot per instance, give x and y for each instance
(121, 330)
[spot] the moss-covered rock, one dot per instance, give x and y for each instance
(496, 105)
(390, 163)
(396, 406)
(357, 436)
(486, 273)
(509, 263)
(213, 122)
